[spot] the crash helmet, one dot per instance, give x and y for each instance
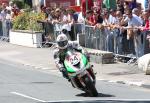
(62, 41)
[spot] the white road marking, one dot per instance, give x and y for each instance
(96, 99)
(26, 96)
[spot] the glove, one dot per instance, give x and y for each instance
(64, 73)
(62, 69)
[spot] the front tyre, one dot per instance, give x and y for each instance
(90, 87)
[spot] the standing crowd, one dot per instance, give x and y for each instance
(7, 14)
(125, 25)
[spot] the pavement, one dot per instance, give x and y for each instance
(42, 59)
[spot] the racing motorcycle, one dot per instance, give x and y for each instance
(80, 72)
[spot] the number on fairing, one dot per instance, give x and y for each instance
(74, 60)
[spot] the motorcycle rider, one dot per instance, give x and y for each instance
(59, 53)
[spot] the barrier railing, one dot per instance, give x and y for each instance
(94, 38)
(101, 39)
(113, 40)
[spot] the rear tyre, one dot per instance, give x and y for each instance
(90, 87)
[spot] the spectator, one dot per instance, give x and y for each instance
(133, 34)
(10, 6)
(146, 27)
(112, 16)
(1, 32)
(98, 18)
(126, 6)
(3, 16)
(8, 22)
(71, 20)
(108, 35)
(119, 39)
(120, 8)
(65, 21)
(57, 16)
(81, 23)
(89, 18)
(15, 11)
(136, 14)
(81, 18)
(113, 34)
(146, 22)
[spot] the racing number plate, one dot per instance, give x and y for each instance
(74, 59)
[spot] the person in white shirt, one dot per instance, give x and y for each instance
(66, 21)
(106, 23)
(8, 22)
(81, 18)
(136, 14)
(10, 6)
(135, 35)
(81, 22)
(113, 34)
(3, 18)
(112, 17)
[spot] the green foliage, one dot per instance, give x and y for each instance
(28, 21)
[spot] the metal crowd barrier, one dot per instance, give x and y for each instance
(98, 39)
(95, 38)
(114, 41)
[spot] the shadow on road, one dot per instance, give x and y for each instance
(99, 95)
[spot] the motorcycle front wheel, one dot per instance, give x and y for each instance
(90, 87)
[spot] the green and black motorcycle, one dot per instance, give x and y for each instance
(80, 72)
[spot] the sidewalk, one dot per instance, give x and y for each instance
(42, 58)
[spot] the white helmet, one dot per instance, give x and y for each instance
(62, 41)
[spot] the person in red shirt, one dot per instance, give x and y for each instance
(90, 20)
(146, 35)
(146, 22)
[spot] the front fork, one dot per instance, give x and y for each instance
(91, 72)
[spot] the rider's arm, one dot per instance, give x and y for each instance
(59, 65)
(77, 46)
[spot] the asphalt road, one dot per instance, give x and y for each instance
(24, 84)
